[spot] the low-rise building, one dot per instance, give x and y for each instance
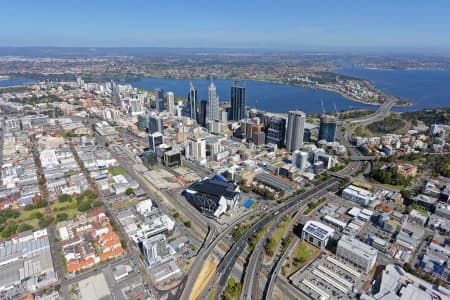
(357, 194)
(317, 234)
(357, 253)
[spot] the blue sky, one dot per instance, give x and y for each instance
(296, 25)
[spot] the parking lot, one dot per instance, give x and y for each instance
(328, 277)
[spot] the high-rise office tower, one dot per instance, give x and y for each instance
(115, 94)
(213, 103)
(142, 122)
(295, 130)
(327, 129)
(259, 138)
(154, 140)
(192, 98)
(159, 99)
(202, 111)
(237, 101)
(276, 131)
(155, 124)
(171, 102)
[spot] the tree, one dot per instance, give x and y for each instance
(29, 207)
(37, 215)
(129, 191)
(83, 205)
(9, 230)
(41, 203)
(406, 194)
(97, 204)
(64, 198)
(62, 217)
(187, 224)
(46, 222)
(24, 227)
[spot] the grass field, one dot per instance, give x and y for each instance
(303, 253)
(278, 234)
(116, 171)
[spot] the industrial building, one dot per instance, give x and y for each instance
(274, 183)
(26, 262)
(317, 233)
(357, 253)
(213, 196)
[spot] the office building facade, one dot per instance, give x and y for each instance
(193, 101)
(357, 253)
(159, 99)
(295, 130)
(317, 234)
(300, 159)
(327, 129)
(276, 131)
(155, 250)
(213, 103)
(155, 124)
(237, 101)
(259, 138)
(171, 102)
(154, 140)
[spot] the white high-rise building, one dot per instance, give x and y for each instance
(136, 107)
(295, 130)
(155, 250)
(213, 104)
(171, 102)
(300, 159)
(197, 150)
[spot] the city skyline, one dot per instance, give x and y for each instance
(328, 26)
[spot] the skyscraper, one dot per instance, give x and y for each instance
(213, 103)
(155, 124)
(192, 98)
(276, 131)
(327, 129)
(202, 110)
(237, 101)
(171, 102)
(154, 140)
(295, 130)
(159, 99)
(115, 94)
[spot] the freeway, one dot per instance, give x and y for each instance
(252, 270)
(226, 265)
(208, 246)
(276, 270)
(378, 115)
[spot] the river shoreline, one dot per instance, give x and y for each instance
(318, 87)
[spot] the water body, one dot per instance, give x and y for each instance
(268, 96)
(13, 82)
(424, 88)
